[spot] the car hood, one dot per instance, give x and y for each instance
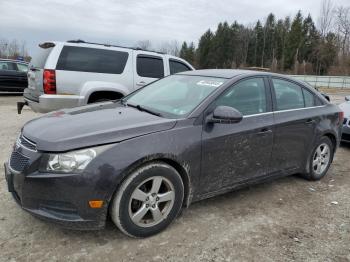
(345, 107)
(92, 125)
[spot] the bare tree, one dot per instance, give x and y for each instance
(343, 25)
(171, 48)
(144, 44)
(325, 18)
(4, 43)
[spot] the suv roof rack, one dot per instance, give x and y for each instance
(80, 41)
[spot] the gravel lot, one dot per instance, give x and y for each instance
(289, 219)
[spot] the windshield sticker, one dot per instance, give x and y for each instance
(209, 83)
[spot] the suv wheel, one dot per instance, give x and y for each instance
(320, 159)
(148, 200)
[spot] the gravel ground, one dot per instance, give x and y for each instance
(289, 219)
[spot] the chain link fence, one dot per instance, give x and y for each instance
(342, 82)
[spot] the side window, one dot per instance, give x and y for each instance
(177, 66)
(247, 96)
(83, 59)
(149, 66)
(22, 67)
(309, 98)
(4, 65)
(288, 95)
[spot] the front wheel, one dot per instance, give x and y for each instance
(148, 200)
(321, 159)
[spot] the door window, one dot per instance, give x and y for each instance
(309, 98)
(150, 66)
(288, 95)
(177, 66)
(247, 96)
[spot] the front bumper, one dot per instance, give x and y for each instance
(48, 103)
(56, 199)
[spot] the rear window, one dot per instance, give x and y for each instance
(39, 57)
(177, 66)
(150, 66)
(95, 60)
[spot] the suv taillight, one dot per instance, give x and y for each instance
(49, 81)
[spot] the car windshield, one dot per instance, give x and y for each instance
(174, 96)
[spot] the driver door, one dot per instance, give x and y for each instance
(233, 153)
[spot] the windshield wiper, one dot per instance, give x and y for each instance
(143, 109)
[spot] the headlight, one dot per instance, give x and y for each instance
(74, 161)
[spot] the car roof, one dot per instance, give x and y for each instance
(226, 73)
(14, 60)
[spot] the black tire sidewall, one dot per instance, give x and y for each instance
(312, 174)
(155, 170)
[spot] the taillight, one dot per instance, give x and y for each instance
(49, 81)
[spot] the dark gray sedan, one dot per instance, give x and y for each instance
(181, 139)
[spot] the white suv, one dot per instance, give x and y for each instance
(75, 73)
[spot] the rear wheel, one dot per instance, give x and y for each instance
(148, 200)
(320, 159)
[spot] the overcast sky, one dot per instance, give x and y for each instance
(127, 21)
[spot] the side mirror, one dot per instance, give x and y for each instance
(347, 98)
(225, 115)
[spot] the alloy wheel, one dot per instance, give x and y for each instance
(321, 159)
(151, 201)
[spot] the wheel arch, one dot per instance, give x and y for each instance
(181, 168)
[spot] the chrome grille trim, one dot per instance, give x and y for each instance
(26, 143)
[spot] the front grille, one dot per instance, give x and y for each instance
(25, 142)
(18, 162)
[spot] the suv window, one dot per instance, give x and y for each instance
(288, 95)
(177, 66)
(150, 66)
(4, 65)
(247, 96)
(84, 59)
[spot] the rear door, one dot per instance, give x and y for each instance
(233, 153)
(296, 116)
(148, 68)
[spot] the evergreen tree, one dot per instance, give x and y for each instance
(295, 40)
(204, 55)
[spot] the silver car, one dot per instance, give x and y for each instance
(346, 124)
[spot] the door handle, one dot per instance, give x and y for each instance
(141, 83)
(264, 131)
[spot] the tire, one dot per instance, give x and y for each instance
(148, 200)
(318, 166)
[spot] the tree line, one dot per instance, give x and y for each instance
(287, 45)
